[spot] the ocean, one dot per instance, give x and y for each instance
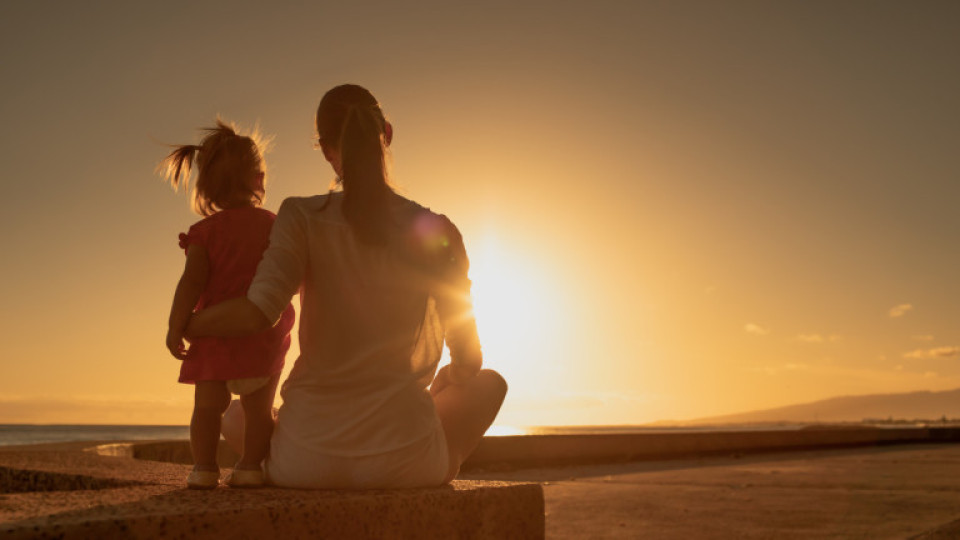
(15, 434)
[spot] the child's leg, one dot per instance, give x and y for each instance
(258, 425)
(210, 400)
(232, 426)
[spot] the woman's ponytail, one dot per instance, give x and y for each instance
(350, 120)
(365, 189)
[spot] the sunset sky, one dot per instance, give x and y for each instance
(673, 209)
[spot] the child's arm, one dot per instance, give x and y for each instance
(191, 286)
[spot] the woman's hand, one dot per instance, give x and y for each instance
(441, 380)
(176, 344)
(447, 375)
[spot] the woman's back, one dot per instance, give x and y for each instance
(370, 336)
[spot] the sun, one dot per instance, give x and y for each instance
(518, 314)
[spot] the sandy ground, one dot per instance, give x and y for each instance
(910, 491)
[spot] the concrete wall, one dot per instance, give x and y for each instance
(545, 450)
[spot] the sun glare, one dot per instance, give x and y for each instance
(504, 431)
(517, 316)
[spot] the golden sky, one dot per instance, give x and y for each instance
(673, 209)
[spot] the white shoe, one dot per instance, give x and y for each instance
(203, 479)
(243, 478)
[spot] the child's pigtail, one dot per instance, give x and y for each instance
(179, 162)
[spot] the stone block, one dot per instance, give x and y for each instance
(82, 494)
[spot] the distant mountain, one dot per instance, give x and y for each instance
(913, 405)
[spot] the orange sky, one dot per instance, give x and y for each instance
(673, 209)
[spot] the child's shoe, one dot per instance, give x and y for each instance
(203, 479)
(245, 478)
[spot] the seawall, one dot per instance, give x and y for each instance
(552, 450)
(524, 451)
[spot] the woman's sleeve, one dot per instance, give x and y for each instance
(283, 266)
(454, 304)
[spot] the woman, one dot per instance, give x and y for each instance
(383, 281)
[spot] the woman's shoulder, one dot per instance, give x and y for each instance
(420, 212)
(429, 235)
(307, 204)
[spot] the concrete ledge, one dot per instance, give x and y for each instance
(551, 450)
(166, 451)
(82, 490)
(68, 491)
(26, 481)
(514, 452)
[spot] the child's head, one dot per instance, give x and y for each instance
(230, 169)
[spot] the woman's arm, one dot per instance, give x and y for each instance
(191, 286)
(455, 308)
(278, 278)
(231, 318)
(283, 268)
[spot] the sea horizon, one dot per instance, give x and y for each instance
(30, 433)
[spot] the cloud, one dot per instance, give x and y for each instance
(900, 311)
(922, 337)
(818, 338)
(936, 352)
(755, 329)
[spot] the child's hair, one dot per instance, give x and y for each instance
(349, 118)
(229, 169)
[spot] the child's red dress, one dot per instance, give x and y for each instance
(234, 240)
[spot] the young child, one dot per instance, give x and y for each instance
(223, 251)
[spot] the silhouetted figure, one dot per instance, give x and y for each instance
(383, 282)
(223, 251)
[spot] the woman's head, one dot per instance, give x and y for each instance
(230, 169)
(354, 135)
